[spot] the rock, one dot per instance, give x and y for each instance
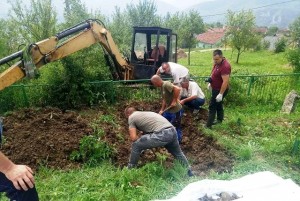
(290, 102)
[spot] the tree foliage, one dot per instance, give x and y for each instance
(143, 13)
(272, 30)
(120, 29)
(295, 31)
(34, 23)
(240, 31)
(74, 12)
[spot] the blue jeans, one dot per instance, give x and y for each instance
(16, 195)
(194, 104)
(175, 120)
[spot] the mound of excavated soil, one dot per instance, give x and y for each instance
(48, 136)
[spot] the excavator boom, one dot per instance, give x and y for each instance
(38, 54)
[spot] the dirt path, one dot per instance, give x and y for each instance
(48, 136)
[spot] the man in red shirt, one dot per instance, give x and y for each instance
(219, 85)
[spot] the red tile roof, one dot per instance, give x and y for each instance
(212, 36)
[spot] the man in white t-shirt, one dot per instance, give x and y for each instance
(177, 71)
(191, 94)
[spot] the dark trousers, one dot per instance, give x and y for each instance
(16, 195)
(215, 108)
(195, 103)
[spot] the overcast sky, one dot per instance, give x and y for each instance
(106, 6)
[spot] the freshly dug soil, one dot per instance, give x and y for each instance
(47, 136)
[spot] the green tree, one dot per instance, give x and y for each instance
(3, 38)
(74, 12)
(143, 13)
(240, 31)
(34, 23)
(121, 29)
(192, 25)
(272, 30)
(295, 31)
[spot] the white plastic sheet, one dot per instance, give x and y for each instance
(261, 186)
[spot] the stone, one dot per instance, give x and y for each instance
(289, 104)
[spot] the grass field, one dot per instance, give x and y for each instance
(262, 62)
(258, 135)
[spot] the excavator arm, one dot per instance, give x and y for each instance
(49, 50)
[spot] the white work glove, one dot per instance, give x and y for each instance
(219, 97)
(209, 87)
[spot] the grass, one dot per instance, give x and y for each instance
(258, 135)
(262, 62)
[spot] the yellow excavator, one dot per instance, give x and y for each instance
(150, 47)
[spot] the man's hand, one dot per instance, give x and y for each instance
(160, 112)
(21, 176)
(219, 97)
(182, 102)
(209, 87)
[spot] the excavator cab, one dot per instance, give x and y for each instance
(150, 47)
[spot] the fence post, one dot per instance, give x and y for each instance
(25, 95)
(250, 85)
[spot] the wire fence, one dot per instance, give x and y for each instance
(260, 89)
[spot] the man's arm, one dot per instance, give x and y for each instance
(224, 84)
(133, 134)
(163, 106)
(187, 99)
(158, 71)
(176, 93)
(20, 175)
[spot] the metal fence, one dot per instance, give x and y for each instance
(260, 89)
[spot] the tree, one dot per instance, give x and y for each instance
(74, 12)
(34, 23)
(295, 31)
(121, 29)
(3, 39)
(143, 14)
(272, 30)
(191, 26)
(240, 31)
(186, 26)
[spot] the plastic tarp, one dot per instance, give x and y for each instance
(261, 186)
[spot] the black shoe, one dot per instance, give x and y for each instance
(190, 173)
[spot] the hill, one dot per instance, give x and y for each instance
(268, 13)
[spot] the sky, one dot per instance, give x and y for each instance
(184, 3)
(104, 6)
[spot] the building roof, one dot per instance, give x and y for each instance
(211, 36)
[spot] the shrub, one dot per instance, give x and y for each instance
(92, 150)
(280, 45)
(293, 56)
(266, 44)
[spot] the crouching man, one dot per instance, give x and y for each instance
(157, 132)
(191, 95)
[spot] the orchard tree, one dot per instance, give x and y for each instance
(240, 31)
(34, 23)
(143, 13)
(192, 25)
(186, 25)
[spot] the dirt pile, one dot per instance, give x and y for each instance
(48, 136)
